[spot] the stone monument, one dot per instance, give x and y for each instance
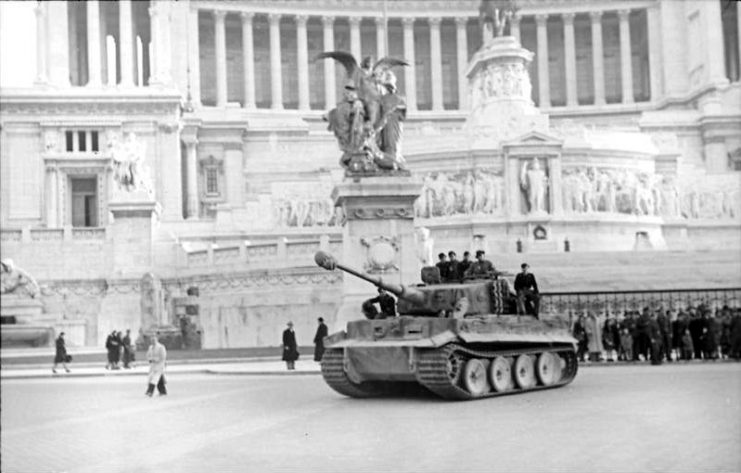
(377, 193)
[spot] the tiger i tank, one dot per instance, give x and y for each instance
(459, 340)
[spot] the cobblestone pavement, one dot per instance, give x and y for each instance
(675, 418)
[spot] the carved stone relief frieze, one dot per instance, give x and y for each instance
(470, 192)
(301, 204)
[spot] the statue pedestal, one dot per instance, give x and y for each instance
(378, 236)
(132, 233)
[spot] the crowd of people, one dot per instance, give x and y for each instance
(694, 333)
(119, 350)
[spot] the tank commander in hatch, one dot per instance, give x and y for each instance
(527, 291)
(481, 268)
(386, 302)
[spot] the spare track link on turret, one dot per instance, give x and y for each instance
(434, 369)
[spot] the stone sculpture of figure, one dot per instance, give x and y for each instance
(534, 182)
(425, 246)
(378, 134)
(479, 192)
(128, 166)
(496, 14)
(14, 280)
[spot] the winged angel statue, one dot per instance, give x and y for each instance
(368, 121)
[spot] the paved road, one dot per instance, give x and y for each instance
(616, 419)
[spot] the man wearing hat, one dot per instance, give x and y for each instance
(321, 332)
(290, 348)
(527, 290)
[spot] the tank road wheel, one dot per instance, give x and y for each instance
(524, 375)
(454, 368)
(548, 369)
(500, 374)
(474, 377)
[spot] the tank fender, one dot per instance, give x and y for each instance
(443, 338)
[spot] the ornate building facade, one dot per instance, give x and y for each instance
(618, 139)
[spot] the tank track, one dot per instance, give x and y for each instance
(433, 372)
(334, 375)
(433, 369)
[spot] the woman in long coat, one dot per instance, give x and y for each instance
(321, 332)
(61, 353)
(290, 348)
(594, 337)
(157, 357)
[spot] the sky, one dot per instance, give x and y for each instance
(17, 43)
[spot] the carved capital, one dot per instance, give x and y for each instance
(380, 21)
(461, 21)
(355, 21)
(408, 22)
(247, 17)
(219, 15)
(328, 21)
(274, 19)
(568, 18)
(435, 22)
(623, 14)
(596, 16)
(541, 19)
(301, 20)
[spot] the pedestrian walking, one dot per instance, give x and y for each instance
(111, 347)
(157, 357)
(61, 355)
(321, 332)
(128, 350)
(290, 348)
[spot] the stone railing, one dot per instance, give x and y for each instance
(281, 252)
(617, 302)
(43, 234)
(47, 234)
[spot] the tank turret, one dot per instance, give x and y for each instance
(439, 300)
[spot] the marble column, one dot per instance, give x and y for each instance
(515, 27)
(126, 43)
(436, 65)
(355, 48)
(543, 75)
(626, 57)
(93, 43)
(41, 42)
(194, 62)
(570, 50)
(192, 177)
(58, 44)
(154, 45)
(303, 62)
(462, 57)
(248, 59)
(654, 51)
(220, 48)
(52, 217)
(714, 47)
(276, 76)
(330, 85)
(381, 35)
(410, 80)
(598, 64)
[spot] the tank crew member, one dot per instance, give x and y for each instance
(481, 268)
(465, 263)
(454, 268)
(386, 302)
(442, 266)
(527, 291)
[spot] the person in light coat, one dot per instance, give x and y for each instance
(157, 357)
(594, 337)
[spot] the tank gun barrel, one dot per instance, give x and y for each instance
(328, 262)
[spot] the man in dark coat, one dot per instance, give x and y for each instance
(321, 332)
(527, 291)
(61, 354)
(465, 263)
(665, 326)
(112, 347)
(696, 326)
(128, 350)
(442, 266)
(656, 340)
(290, 348)
(454, 268)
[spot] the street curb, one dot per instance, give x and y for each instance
(24, 376)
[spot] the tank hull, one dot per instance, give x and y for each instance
(453, 358)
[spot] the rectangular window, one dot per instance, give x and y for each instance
(212, 181)
(84, 202)
(68, 146)
(83, 142)
(94, 141)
